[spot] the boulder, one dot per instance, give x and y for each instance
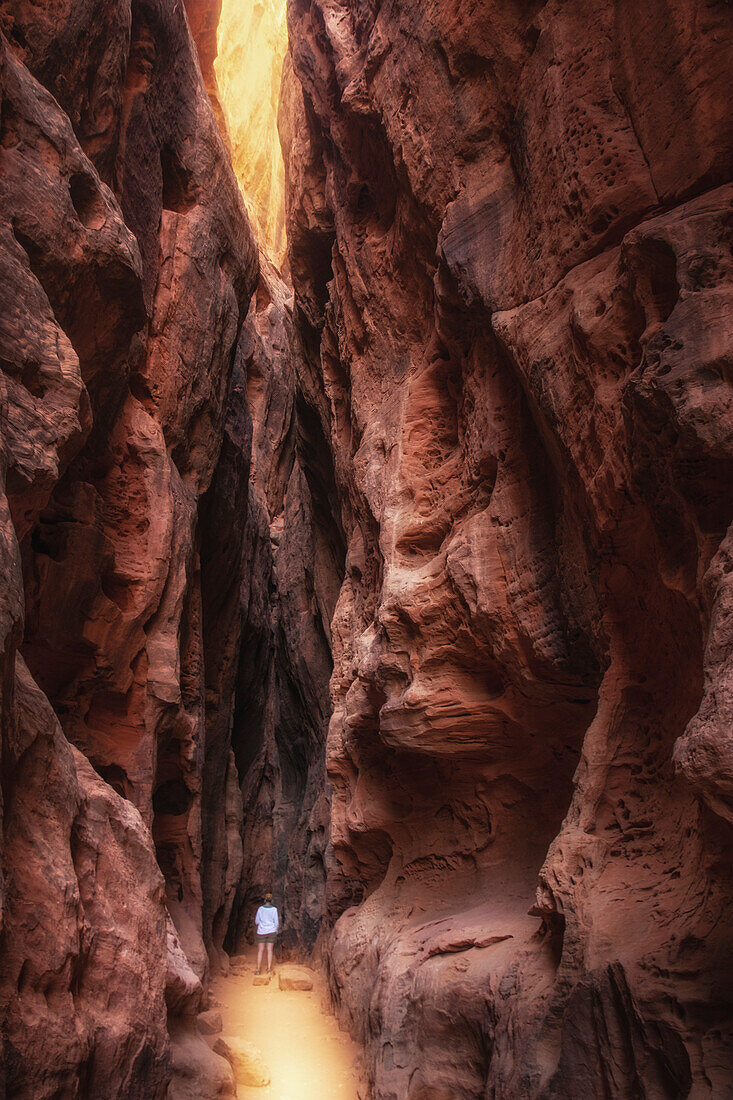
(245, 1059)
(198, 1072)
(210, 1022)
(295, 978)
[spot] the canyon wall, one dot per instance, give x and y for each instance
(171, 559)
(509, 238)
(128, 266)
(282, 707)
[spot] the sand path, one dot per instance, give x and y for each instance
(309, 1058)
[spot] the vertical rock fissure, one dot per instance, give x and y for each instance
(281, 702)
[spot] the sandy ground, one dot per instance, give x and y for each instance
(309, 1058)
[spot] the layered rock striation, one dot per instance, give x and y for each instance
(509, 237)
(128, 266)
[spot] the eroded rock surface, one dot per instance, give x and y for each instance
(295, 567)
(128, 264)
(509, 235)
(83, 939)
(172, 626)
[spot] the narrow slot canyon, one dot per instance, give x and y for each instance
(366, 490)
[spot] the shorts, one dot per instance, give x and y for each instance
(265, 937)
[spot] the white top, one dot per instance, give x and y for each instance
(267, 920)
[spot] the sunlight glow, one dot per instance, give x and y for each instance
(252, 42)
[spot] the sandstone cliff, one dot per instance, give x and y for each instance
(509, 236)
(170, 573)
(128, 266)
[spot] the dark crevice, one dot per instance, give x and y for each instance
(179, 193)
(87, 201)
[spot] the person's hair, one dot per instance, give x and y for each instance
(268, 897)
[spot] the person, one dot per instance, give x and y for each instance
(267, 923)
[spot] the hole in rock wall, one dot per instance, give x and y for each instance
(87, 201)
(172, 798)
(177, 190)
(116, 777)
(252, 41)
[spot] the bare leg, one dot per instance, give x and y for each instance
(269, 956)
(260, 950)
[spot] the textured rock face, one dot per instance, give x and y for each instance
(295, 567)
(475, 474)
(509, 237)
(83, 970)
(268, 656)
(128, 265)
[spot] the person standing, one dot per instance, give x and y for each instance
(267, 923)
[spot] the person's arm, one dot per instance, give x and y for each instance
(277, 920)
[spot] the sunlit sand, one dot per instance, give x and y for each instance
(307, 1055)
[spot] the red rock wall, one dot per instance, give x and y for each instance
(128, 265)
(509, 233)
(296, 567)
(268, 659)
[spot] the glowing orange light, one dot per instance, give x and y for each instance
(252, 41)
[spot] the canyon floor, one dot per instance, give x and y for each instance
(308, 1056)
